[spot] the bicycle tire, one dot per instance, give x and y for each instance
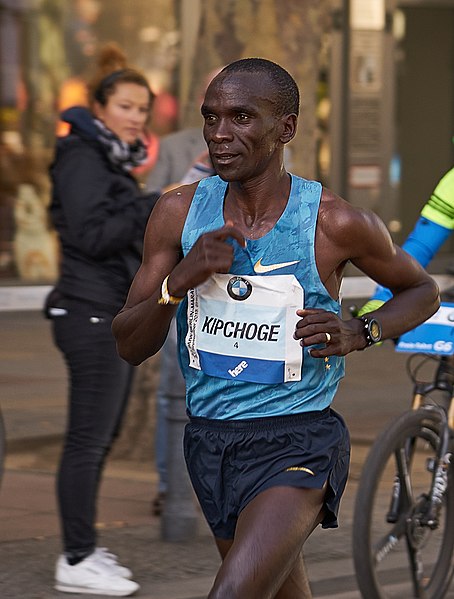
(2, 447)
(380, 549)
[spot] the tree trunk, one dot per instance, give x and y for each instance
(288, 32)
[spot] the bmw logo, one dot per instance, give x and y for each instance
(239, 288)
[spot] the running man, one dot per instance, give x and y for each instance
(253, 259)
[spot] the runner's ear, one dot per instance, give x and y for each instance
(289, 125)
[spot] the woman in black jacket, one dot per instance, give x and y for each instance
(100, 216)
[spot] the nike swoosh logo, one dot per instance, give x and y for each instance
(260, 268)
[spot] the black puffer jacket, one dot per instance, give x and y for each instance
(100, 216)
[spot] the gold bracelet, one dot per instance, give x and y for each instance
(166, 298)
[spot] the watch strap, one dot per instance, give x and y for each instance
(166, 298)
(370, 324)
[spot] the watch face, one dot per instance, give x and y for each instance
(374, 331)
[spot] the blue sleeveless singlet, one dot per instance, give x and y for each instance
(236, 345)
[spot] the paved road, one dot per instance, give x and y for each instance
(32, 385)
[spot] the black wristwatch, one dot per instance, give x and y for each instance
(372, 330)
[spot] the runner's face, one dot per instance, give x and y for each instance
(240, 127)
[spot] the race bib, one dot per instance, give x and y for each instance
(241, 327)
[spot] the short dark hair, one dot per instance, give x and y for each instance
(287, 92)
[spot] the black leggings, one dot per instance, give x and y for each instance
(99, 385)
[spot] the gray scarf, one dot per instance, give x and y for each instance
(120, 153)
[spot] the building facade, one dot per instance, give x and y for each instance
(385, 106)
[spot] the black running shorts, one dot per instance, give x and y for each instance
(231, 462)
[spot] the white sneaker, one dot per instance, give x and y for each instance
(92, 575)
(110, 559)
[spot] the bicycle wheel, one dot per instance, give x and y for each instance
(388, 556)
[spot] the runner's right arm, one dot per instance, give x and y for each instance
(141, 326)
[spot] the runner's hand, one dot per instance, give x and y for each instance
(212, 252)
(336, 337)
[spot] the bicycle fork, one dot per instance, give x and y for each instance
(438, 466)
(428, 511)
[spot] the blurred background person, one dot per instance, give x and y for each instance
(100, 216)
(182, 159)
